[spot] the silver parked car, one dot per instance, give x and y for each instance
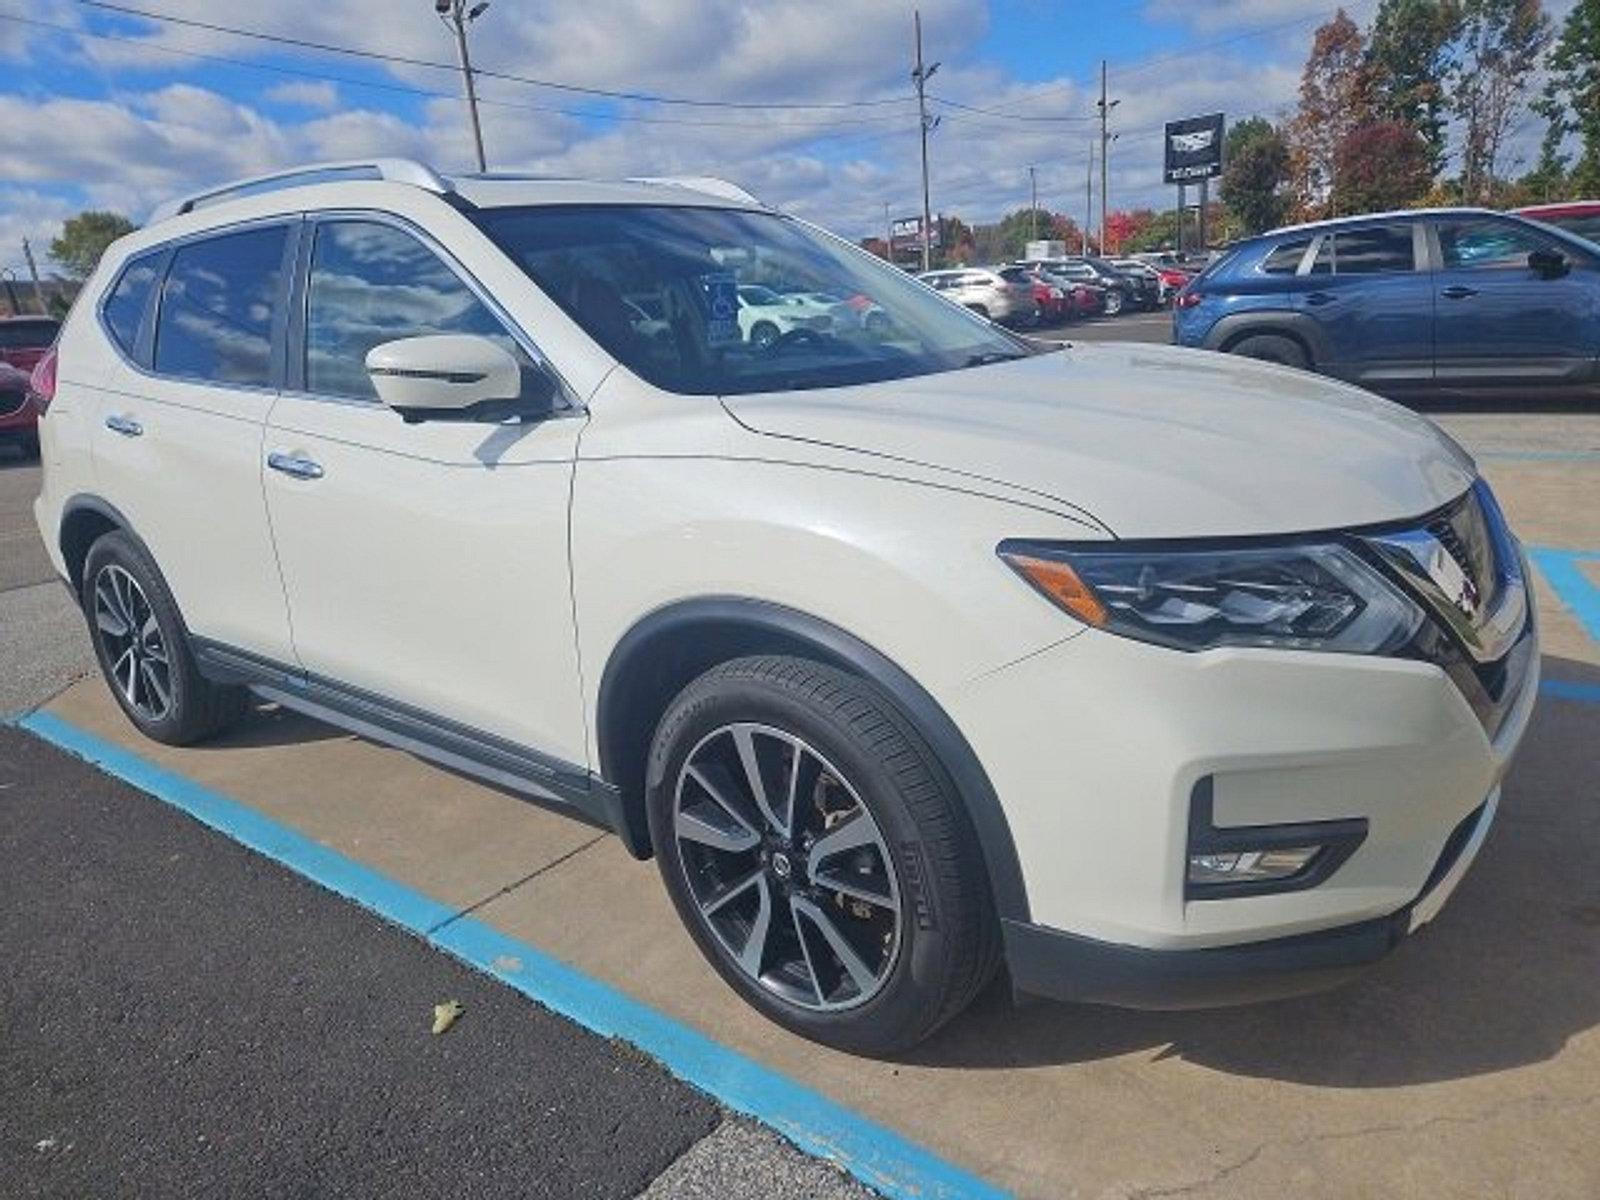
(986, 293)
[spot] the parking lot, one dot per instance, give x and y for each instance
(1466, 1065)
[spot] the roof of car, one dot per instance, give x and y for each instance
(1390, 215)
(1561, 208)
(480, 191)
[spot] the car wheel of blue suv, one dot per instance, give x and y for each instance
(1273, 348)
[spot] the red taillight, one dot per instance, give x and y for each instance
(1187, 299)
(42, 383)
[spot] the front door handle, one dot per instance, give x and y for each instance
(294, 465)
(1320, 298)
(126, 426)
(1458, 291)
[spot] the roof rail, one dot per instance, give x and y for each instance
(708, 184)
(395, 170)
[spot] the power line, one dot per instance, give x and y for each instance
(822, 124)
(406, 61)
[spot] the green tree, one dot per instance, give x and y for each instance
(1381, 166)
(1255, 169)
(84, 239)
(1571, 99)
(1408, 58)
(1499, 47)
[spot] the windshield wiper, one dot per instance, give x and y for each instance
(992, 356)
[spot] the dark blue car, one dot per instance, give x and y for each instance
(1432, 301)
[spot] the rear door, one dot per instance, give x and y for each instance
(1504, 325)
(1370, 293)
(178, 425)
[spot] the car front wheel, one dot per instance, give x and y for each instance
(814, 847)
(1113, 303)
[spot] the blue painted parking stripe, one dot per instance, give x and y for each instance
(1566, 689)
(1575, 589)
(877, 1156)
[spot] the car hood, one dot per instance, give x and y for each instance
(1151, 441)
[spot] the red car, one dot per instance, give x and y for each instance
(23, 342)
(1581, 217)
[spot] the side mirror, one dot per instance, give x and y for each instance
(456, 377)
(1548, 264)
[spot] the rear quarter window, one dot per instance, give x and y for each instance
(128, 299)
(1282, 259)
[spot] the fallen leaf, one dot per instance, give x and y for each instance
(445, 1015)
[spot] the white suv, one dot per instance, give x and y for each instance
(909, 649)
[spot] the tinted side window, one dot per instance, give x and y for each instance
(217, 305)
(1374, 251)
(1285, 257)
(125, 304)
(371, 283)
(1485, 243)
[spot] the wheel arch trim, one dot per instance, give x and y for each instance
(87, 502)
(1274, 322)
(652, 635)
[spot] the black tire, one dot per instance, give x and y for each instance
(981, 309)
(196, 708)
(1114, 302)
(763, 334)
(947, 945)
(876, 325)
(1272, 348)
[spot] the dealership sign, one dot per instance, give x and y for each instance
(1194, 149)
(907, 232)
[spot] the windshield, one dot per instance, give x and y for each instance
(708, 301)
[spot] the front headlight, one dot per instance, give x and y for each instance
(1300, 597)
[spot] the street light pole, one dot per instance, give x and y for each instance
(458, 16)
(1033, 186)
(920, 76)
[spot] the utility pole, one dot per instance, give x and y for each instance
(458, 16)
(33, 269)
(1033, 210)
(1105, 107)
(920, 76)
(1088, 200)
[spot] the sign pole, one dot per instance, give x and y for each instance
(1205, 194)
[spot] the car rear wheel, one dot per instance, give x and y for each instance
(143, 648)
(1273, 348)
(818, 855)
(763, 334)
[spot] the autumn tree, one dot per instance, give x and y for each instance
(84, 239)
(1498, 49)
(1335, 97)
(1381, 166)
(1409, 60)
(1255, 170)
(1571, 101)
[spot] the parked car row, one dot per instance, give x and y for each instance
(1048, 291)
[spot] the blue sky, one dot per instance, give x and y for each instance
(119, 111)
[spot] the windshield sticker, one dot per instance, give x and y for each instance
(722, 308)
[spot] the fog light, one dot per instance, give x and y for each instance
(1250, 866)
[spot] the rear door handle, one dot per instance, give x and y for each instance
(126, 426)
(1320, 298)
(294, 465)
(1458, 291)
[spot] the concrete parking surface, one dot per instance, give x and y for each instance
(1467, 1065)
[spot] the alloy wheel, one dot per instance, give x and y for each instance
(787, 867)
(136, 652)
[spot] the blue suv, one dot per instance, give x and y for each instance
(1431, 301)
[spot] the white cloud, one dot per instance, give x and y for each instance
(305, 93)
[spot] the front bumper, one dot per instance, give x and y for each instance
(1055, 965)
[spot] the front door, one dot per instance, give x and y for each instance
(1501, 323)
(425, 563)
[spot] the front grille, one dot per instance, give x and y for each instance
(1463, 566)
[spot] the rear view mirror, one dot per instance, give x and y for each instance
(1548, 264)
(456, 377)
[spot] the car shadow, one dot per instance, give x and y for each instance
(267, 724)
(1502, 978)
